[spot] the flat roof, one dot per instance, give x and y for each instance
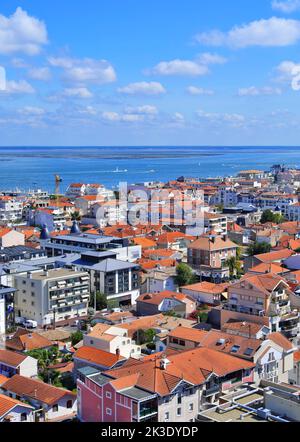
(137, 393)
(55, 273)
(86, 238)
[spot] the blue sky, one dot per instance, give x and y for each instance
(150, 72)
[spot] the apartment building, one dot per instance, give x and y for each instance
(6, 307)
(262, 298)
(54, 295)
(11, 210)
(84, 242)
(208, 256)
(215, 222)
(161, 388)
(118, 280)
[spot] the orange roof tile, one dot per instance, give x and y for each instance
(98, 357)
(35, 389)
(8, 403)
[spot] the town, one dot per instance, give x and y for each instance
(170, 301)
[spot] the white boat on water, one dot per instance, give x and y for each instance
(117, 170)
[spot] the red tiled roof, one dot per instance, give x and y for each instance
(99, 357)
(11, 358)
(35, 389)
(8, 403)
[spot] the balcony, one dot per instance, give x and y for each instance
(215, 389)
(147, 412)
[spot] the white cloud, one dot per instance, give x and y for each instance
(41, 74)
(235, 120)
(271, 32)
(180, 67)
(256, 91)
(192, 68)
(127, 118)
(88, 110)
(19, 87)
(286, 69)
(31, 110)
(143, 110)
(286, 6)
(143, 88)
(80, 92)
(21, 33)
(85, 70)
(193, 90)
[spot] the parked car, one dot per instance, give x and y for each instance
(30, 324)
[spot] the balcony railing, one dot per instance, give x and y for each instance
(212, 390)
(147, 412)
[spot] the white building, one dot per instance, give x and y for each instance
(55, 294)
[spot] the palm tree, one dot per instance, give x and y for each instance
(76, 216)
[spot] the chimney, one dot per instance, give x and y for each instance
(164, 363)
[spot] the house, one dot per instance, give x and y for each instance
(175, 241)
(160, 279)
(275, 257)
(206, 292)
(264, 267)
(99, 359)
(163, 302)
(10, 238)
(273, 357)
(263, 299)
(12, 410)
(245, 329)
(112, 339)
(12, 363)
(208, 256)
(25, 340)
(161, 388)
(51, 403)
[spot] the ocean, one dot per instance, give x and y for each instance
(34, 167)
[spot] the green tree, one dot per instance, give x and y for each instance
(76, 216)
(270, 217)
(258, 248)
(184, 275)
(101, 301)
(76, 337)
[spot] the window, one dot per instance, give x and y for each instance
(178, 411)
(179, 400)
(191, 407)
(108, 395)
(55, 408)
(69, 404)
(235, 349)
(167, 416)
(248, 351)
(108, 411)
